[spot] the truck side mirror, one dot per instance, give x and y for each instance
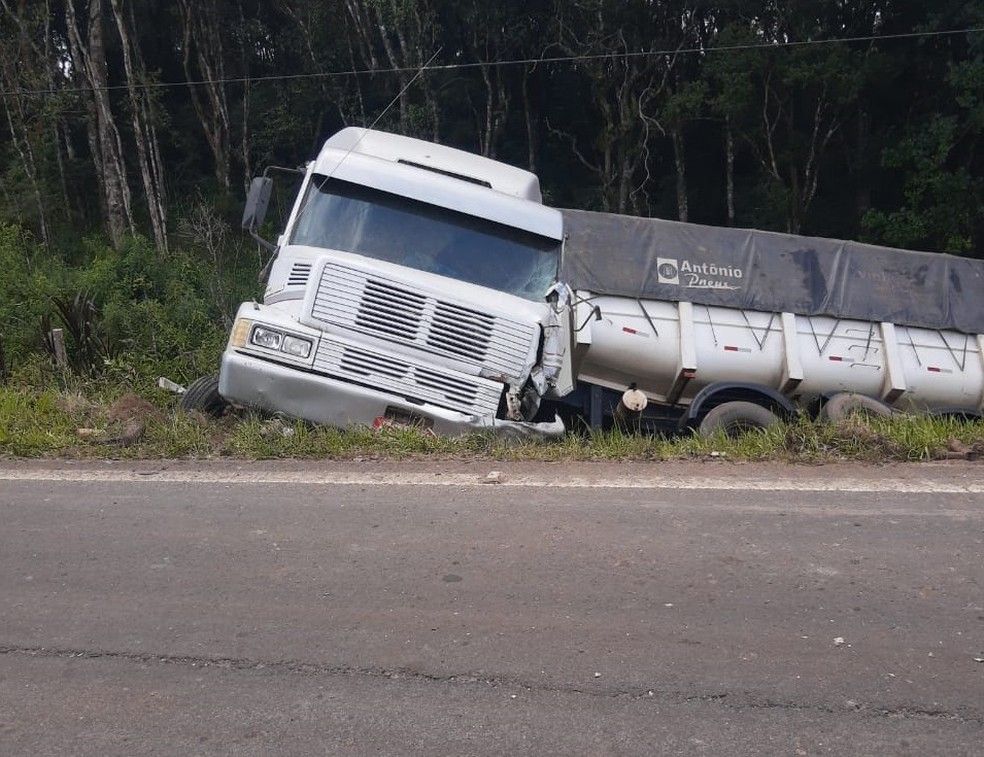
(257, 201)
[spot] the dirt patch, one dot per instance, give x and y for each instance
(958, 450)
(131, 407)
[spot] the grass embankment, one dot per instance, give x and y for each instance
(131, 315)
(59, 424)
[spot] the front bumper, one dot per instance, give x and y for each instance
(250, 381)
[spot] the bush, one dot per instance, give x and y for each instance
(156, 311)
(29, 278)
(162, 315)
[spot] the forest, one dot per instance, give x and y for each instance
(130, 129)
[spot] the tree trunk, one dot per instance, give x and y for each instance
(202, 34)
(21, 61)
(794, 221)
(357, 83)
(244, 136)
(26, 154)
(862, 193)
(496, 111)
(422, 25)
(403, 78)
(62, 180)
(530, 120)
(434, 107)
(58, 120)
(729, 170)
(143, 132)
(680, 163)
(624, 184)
(90, 59)
(487, 137)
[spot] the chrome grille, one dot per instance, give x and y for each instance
(415, 382)
(387, 309)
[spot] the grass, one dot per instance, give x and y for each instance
(38, 424)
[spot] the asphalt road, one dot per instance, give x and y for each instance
(180, 609)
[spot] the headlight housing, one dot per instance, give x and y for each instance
(296, 346)
(280, 341)
(268, 338)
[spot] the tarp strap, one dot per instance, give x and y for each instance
(960, 363)
(646, 313)
(768, 329)
(830, 336)
(913, 345)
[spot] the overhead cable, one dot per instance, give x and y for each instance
(498, 63)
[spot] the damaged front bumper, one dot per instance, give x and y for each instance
(260, 383)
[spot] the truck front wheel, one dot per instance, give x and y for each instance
(203, 396)
(734, 418)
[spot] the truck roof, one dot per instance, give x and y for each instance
(440, 176)
(441, 159)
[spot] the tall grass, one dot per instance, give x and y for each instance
(46, 423)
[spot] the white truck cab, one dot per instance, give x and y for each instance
(413, 282)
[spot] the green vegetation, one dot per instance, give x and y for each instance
(48, 423)
(878, 138)
(118, 198)
(159, 317)
(128, 315)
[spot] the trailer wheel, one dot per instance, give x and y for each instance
(734, 418)
(203, 396)
(842, 406)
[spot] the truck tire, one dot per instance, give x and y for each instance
(734, 418)
(203, 396)
(842, 406)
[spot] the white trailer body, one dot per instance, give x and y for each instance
(673, 350)
(414, 282)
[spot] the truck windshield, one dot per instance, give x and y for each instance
(339, 215)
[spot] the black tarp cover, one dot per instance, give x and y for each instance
(650, 258)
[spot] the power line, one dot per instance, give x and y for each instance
(499, 63)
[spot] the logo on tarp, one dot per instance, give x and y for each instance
(697, 275)
(667, 271)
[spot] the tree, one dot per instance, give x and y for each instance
(942, 196)
(87, 47)
(405, 34)
(787, 105)
(204, 59)
(623, 87)
(24, 62)
(631, 106)
(144, 127)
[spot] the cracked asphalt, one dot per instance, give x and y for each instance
(197, 617)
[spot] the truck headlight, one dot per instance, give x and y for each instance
(263, 337)
(296, 346)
